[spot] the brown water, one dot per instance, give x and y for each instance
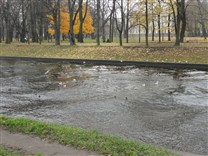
(163, 107)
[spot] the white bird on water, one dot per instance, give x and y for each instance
(157, 83)
(74, 80)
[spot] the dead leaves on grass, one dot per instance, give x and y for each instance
(156, 54)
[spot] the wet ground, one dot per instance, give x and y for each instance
(163, 107)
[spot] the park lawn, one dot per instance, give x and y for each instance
(156, 53)
(81, 138)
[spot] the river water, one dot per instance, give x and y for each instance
(166, 108)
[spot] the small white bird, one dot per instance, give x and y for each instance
(157, 83)
(74, 80)
(47, 72)
(144, 85)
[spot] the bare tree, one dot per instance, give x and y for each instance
(203, 11)
(169, 21)
(112, 17)
(1, 20)
(105, 10)
(176, 18)
(98, 22)
(58, 22)
(33, 20)
(7, 18)
(147, 23)
(183, 20)
(82, 19)
(159, 22)
(54, 8)
(73, 15)
(41, 18)
(127, 21)
(120, 23)
(153, 23)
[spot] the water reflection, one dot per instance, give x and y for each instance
(163, 107)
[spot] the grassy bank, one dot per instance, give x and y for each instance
(5, 152)
(165, 53)
(81, 138)
(12, 152)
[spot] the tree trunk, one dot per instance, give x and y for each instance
(204, 31)
(2, 30)
(57, 22)
(183, 20)
(8, 37)
(103, 31)
(153, 30)
(23, 36)
(147, 24)
(178, 24)
(195, 30)
(82, 19)
(110, 29)
(98, 22)
(8, 27)
(80, 35)
(11, 33)
(112, 24)
(41, 30)
(153, 23)
(113, 27)
(169, 37)
(202, 17)
(120, 26)
(0, 33)
(120, 38)
(103, 22)
(45, 31)
(71, 22)
(41, 23)
(33, 22)
(159, 29)
(7, 22)
(139, 34)
(127, 22)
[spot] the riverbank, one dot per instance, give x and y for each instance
(18, 144)
(6, 152)
(81, 138)
(184, 54)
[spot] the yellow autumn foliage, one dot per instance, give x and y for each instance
(65, 27)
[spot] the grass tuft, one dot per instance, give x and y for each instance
(81, 138)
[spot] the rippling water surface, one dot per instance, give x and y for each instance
(163, 107)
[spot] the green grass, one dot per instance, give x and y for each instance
(6, 152)
(83, 139)
(11, 152)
